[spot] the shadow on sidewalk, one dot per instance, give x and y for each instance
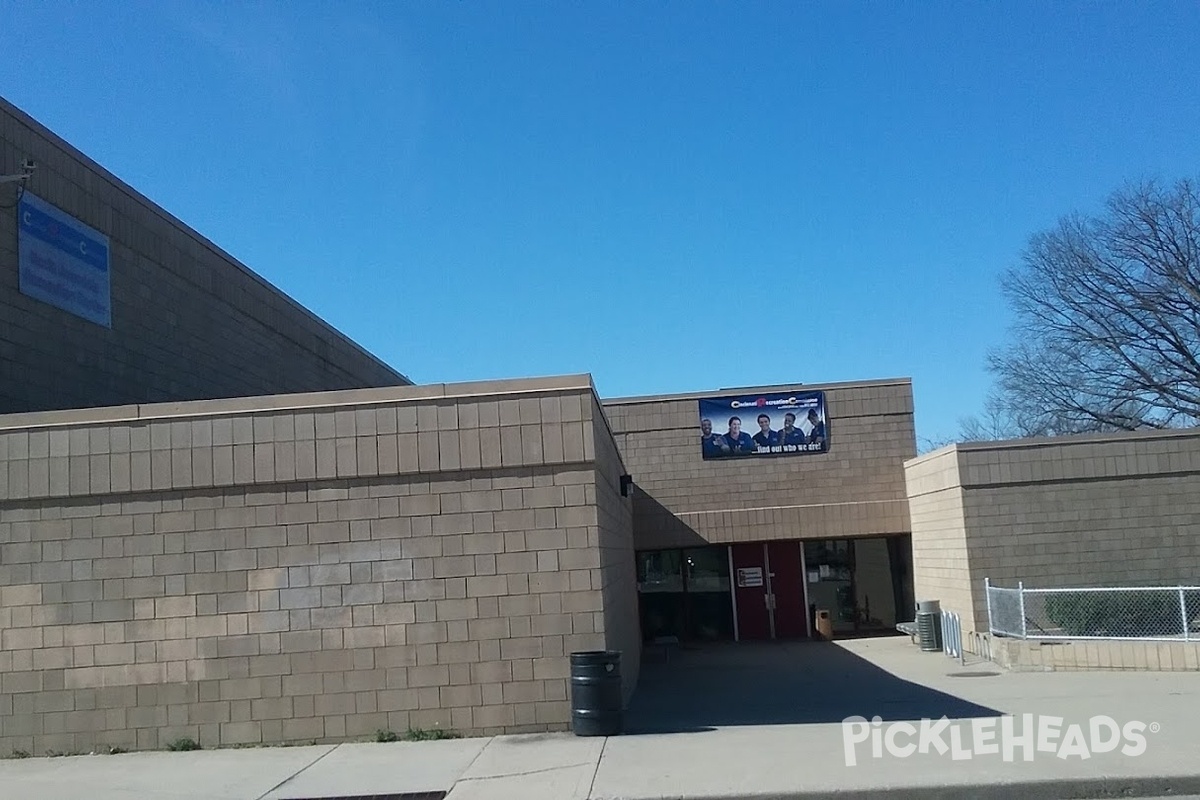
(777, 684)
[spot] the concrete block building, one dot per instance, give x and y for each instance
(309, 567)
(154, 313)
(221, 519)
(1104, 510)
(827, 530)
(322, 566)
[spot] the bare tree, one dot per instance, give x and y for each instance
(927, 444)
(1013, 417)
(998, 421)
(1107, 335)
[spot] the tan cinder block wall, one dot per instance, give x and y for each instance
(617, 568)
(857, 488)
(307, 567)
(1117, 510)
(188, 320)
(935, 503)
(1034, 656)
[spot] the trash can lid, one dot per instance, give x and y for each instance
(595, 656)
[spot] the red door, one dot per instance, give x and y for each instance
(787, 584)
(750, 591)
(768, 580)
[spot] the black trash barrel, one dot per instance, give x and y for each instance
(596, 693)
(929, 625)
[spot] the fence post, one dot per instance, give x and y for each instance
(987, 593)
(1021, 600)
(1183, 612)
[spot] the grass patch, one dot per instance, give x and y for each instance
(183, 745)
(416, 735)
(51, 753)
(258, 745)
(432, 734)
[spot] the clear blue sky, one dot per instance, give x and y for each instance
(495, 189)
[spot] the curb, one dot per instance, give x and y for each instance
(1057, 789)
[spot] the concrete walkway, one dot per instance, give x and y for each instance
(723, 722)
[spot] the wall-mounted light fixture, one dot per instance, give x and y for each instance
(626, 482)
(27, 168)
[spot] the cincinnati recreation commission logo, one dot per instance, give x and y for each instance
(763, 402)
(1007, 737)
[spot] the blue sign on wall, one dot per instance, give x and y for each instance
(62, 261)
(763, 425)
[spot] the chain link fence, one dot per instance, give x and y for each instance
(1005, 617)
(1159, 612)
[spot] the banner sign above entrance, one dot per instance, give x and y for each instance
(62, 261)
(763, 425)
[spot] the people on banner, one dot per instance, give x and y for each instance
(788, 439)
(765, 436)
(790, 434)
(738, 440)
(713, 444)
(816, 434)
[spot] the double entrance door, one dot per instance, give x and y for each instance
(771, 590)
(768, 591)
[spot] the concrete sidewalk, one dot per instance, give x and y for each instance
(693, 759)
